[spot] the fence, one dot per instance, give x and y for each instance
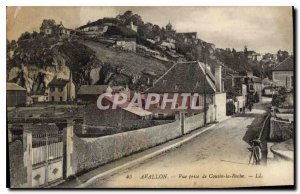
(55, 150)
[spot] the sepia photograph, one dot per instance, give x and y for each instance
(150, 97)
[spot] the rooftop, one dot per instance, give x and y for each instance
(185, 77)
(286, 65)
(14, 87)
(92, 89)
(58, 82)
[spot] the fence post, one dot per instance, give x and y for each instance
(68, 148)
(27, 148)
(182, 118)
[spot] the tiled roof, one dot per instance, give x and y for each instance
(286, 65)
(58, 82)
(133, 109)
(13, 86)
(186, 77)
(92, 89)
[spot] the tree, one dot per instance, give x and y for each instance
(125, 17)
(25, 36)
(282, 55)
(34, 34)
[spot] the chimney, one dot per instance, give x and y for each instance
(218, 76)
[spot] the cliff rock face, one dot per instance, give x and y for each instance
(95, 75)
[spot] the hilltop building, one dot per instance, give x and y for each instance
(50, 29)
(132, 26)
(187, 37)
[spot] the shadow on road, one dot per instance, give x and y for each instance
(253, 130)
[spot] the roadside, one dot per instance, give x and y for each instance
(218, 151)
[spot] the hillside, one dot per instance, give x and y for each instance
(36, 62)
(132, 63)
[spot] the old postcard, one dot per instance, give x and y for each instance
(150, 97)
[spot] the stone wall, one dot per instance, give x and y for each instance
(88, 153)
(92, 152)
(280, 130)
(17, 169)
(194, 122)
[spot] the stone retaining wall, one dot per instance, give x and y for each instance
(88, 153)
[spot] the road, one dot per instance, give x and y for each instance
(221, 151)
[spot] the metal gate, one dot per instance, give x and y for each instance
(47, 157)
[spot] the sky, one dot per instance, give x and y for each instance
(263, 29)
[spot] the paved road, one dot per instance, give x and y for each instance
(219, 151)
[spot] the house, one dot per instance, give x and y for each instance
(132, 26)
(15, 95)
(62, 31)
(50, 29)
(90, 93)
(283, 74)
(188, 78)
(127, 44)
(61, 90)
(187, 37)
(235, 82)
(47, 27)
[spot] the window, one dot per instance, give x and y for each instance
(52, 98)
(292, 81)
(60, 99)
(52, 89)
(251, 87)
(60, 89)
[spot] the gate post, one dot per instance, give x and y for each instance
(27, 148)
(68, 148)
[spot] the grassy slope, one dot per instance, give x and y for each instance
(131, 62)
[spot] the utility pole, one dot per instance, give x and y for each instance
(204, 83)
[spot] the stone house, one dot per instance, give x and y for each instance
(283, 74)
(188, 78)
(61, 90)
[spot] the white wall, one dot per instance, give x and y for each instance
(220, 106)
